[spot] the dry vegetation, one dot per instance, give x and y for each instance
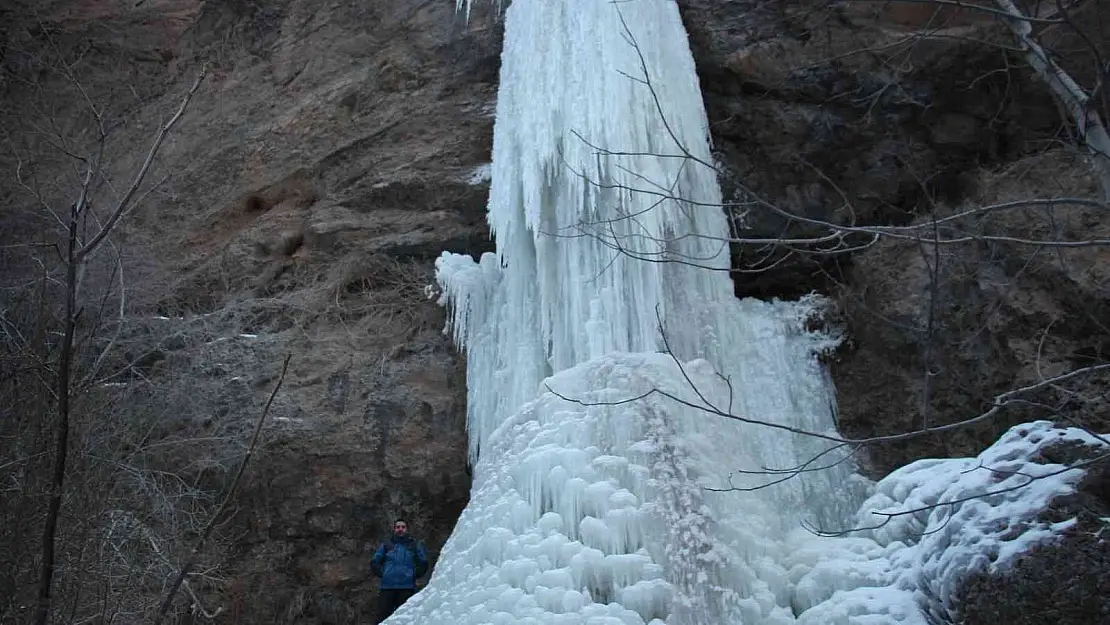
(104, 492)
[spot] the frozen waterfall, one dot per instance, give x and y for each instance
(603, 335)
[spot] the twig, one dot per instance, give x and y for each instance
(191, 560)
(1000, 402)
(125, 202)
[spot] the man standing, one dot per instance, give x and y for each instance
(399, 561)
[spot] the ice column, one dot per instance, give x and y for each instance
(600, 172)
(611, 269)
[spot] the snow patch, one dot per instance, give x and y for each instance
(934, 522)
(481, 175)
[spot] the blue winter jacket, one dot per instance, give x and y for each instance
(399, 561)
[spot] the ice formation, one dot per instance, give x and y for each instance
(606, 351)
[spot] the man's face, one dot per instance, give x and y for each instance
(399, 528)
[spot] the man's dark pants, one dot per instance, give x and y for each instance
(390, 599)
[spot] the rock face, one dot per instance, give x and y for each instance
(804, 122)
(334, 149)
(328, 165)
(327, 158)
(894, 115)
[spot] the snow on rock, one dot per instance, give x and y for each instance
(480, 175)
(933, 522)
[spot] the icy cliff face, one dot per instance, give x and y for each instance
(626, 412)
(606, 213)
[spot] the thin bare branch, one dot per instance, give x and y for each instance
(125, 202)
(203, 538)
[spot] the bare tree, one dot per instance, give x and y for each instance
(80, 244)
(89, 463)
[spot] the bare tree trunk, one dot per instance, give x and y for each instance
(1075, 99)
(77, 254)
(61, 429)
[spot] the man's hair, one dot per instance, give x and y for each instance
(396, 521)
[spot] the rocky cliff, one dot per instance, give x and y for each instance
(328, 157)
(335, 148)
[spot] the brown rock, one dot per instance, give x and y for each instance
(318, 172)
